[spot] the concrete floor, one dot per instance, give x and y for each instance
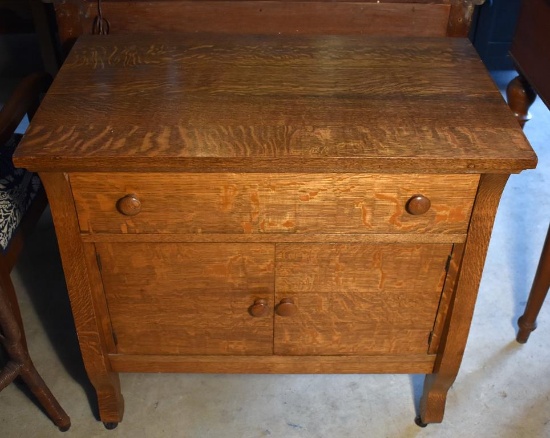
(502, 390)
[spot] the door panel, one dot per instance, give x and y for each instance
(179, 298)
(358, 298)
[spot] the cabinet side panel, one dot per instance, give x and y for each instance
(447, 296)
(98, 295)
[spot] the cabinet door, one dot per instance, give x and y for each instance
(185, 298)
(357, 298)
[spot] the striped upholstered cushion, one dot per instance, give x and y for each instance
(18, 188)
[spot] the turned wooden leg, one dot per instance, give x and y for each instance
(9, 291)
(38, 387)
(20, 364)
(520, 97)
(528, 321)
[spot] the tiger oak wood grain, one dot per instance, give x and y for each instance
(358, 299)
(447, 296)
(274, 169)
(274, 103)
(403, 363)
(274, 238)
(459, 315)
(361, 268)
(93, 344)
(272, 203)
(188, 298)
(98, 297)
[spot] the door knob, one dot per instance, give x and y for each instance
(129, 205)
(259, 308)
(418, 204)
(286, 307)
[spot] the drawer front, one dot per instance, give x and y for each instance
(357, 298)
(272, 203)
(189, 298)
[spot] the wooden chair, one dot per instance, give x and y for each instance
(22, 201)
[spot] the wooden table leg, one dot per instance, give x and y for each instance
(528, 321)
(520, 97)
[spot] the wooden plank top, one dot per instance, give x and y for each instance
(249, 103)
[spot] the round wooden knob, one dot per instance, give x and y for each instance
(129, 205)
(259, 308)
(286, 307)
(418, 204)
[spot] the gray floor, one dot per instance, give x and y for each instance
(502, 390)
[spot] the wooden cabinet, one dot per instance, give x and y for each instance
(342, 298)
(179, 297)
(273, 204)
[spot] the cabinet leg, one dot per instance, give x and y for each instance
(528, 321)
(434, 397)
(418, 421)
(109, 398)
(520, 97)
(94, 342)
(461, 308)
(110, 426)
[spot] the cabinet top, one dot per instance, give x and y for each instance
(274, 104)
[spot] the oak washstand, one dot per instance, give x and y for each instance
(273, 204)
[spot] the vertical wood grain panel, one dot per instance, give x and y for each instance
(188, 298)
(358, 298)
(447, 296)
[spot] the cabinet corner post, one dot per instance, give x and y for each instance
(90, 336)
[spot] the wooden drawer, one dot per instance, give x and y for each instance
(358, 298)
(270, 203)
(188, 298)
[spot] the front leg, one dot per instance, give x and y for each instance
(459, 315)
(93, 337)
(109, 398)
